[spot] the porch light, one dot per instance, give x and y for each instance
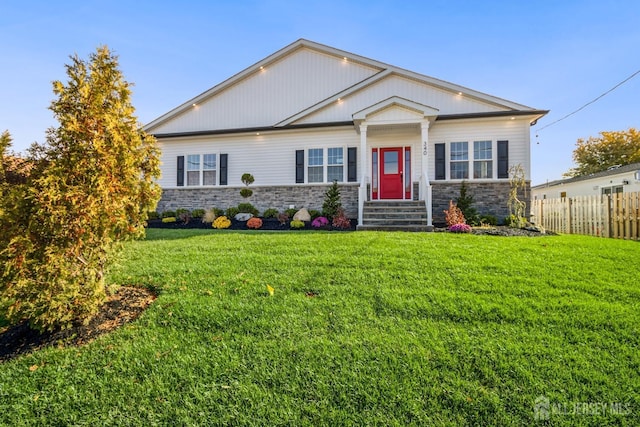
(194, 105)
(513, 118)
(459, 93)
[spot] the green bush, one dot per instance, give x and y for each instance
(218, 212)
(332, 203)
(295, 224)
(290, 212)
(246, 192)
(168, 214)
(314, 214)
(232, 212)
(270, 213)
(153, 215)
(488, 220)
(248, 208)
(197, 213)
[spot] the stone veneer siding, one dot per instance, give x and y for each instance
(489, 198)
(277, 197)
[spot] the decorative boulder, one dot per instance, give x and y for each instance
(302, 215)
(243, 216)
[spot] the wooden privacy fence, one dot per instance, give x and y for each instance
(616, 215)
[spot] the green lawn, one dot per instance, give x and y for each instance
(365, 328)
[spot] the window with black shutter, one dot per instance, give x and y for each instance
(180, 172)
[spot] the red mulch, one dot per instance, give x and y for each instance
(120, 308)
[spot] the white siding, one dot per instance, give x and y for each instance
(273, 94)
(445, 101)
(514, 131)
(269, 157)
(589, 187)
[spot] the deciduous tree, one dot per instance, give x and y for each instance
(599, 153)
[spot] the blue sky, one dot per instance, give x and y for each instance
(555, 55)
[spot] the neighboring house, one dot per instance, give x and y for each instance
(617, 179)
(310, 114)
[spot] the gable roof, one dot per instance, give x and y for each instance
(244, 100)
(612, 171)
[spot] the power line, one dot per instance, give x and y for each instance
(594, 100)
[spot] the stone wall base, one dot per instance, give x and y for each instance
(280, 198)
(489, 198)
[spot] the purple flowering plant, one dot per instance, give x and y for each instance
(460, 228)
(320, 222)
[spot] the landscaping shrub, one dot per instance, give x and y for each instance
(320, 222)
(460, 228)
(184, 216)
(197, 213)
(295, 224)
(453, 215)
(283, 218)
(465, 203)
(209, 216)
(341, 221)
(153, 215)
(93, 182)
(332, 201)
(248, 208)
(232, 212)
(169, 219)
(168, 214)
(314, 213)
(222, 222)
(291, 212)
(247, 179)
(488, 220)
(270, 213)
(254, 223)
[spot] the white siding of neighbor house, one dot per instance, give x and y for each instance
(394, 85)
(516, 131)
(588, 187)
(268, 96)
(269, 157)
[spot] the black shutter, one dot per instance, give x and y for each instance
(180, 171)
(441, 162)
(352, 164)
(299, 166)
(503, 159)
(223, 169)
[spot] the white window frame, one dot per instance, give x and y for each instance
(479, 160)
(325, 164)
(464, 161)
(201, 169)
(471, 160)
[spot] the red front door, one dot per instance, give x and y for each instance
(391, 178)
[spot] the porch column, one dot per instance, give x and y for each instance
(426, 192)
(362, 193)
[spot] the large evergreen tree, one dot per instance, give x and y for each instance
(91, 187)
(608, 149)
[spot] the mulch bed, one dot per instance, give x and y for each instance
(505, 231)
(270, 224)
(120, 308)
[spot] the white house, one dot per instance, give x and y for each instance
(310, 114)
(617, 179)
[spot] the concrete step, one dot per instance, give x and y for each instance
(412, 228)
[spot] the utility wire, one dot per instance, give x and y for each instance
(591, 102)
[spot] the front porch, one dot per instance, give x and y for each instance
(394, 148)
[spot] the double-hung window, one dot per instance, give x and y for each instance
(482, 160)
(315, 165)
(335, 164)
(193, 169)
(209, 169)
(459, 162)
(201, 169)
